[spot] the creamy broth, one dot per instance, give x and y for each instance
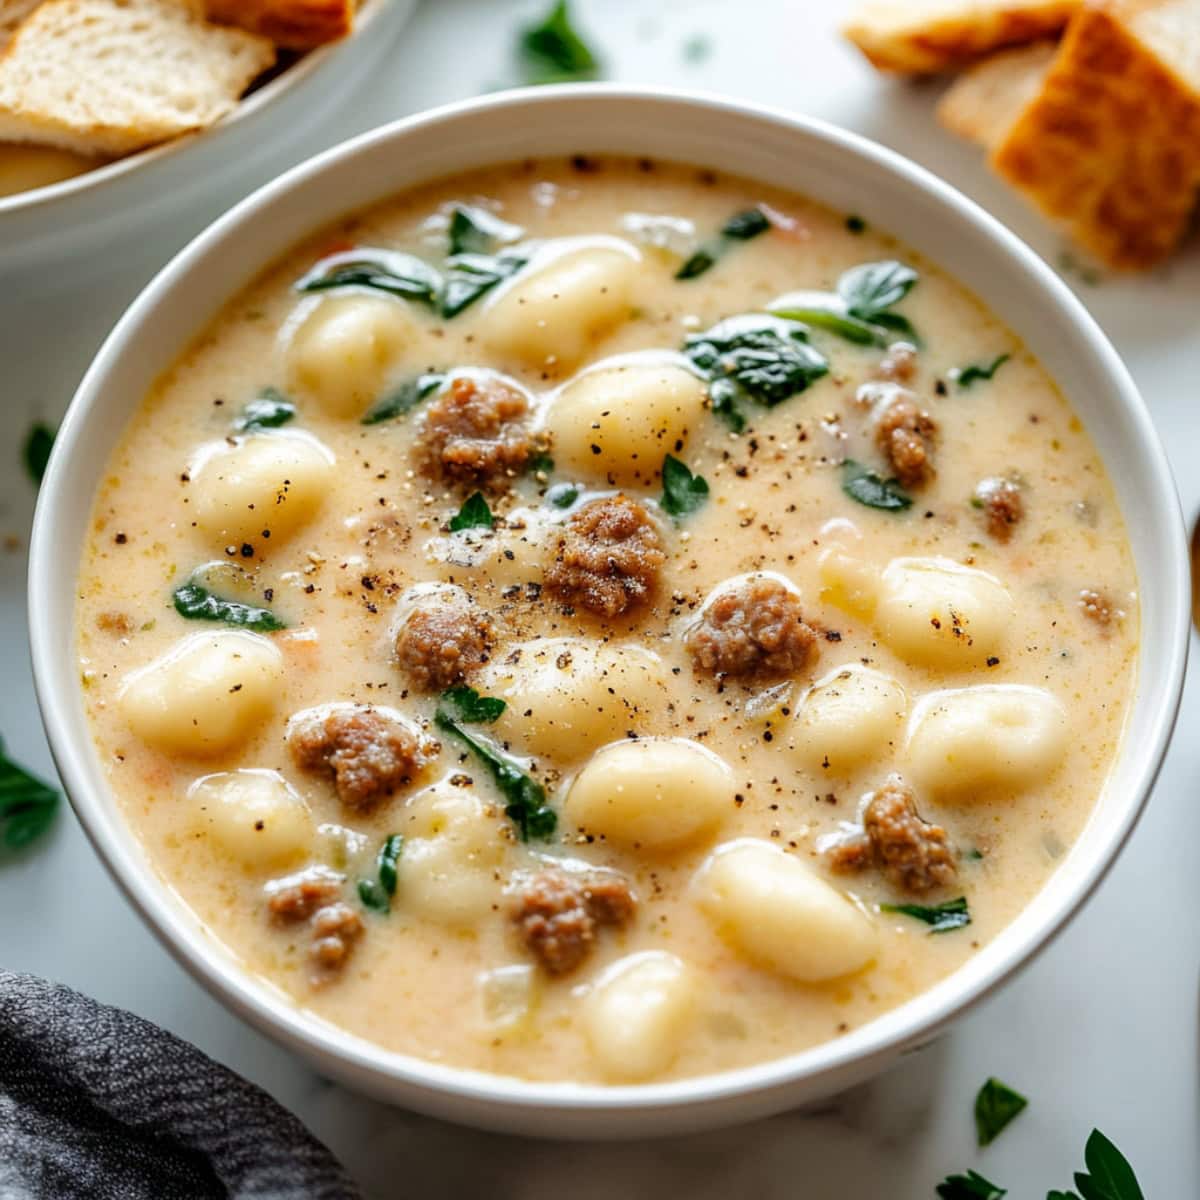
(1023, 590)
(23, 168)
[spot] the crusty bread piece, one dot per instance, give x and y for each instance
(922, 37)
(983, 104)
(114, 76)
(1111, 143)
(293, 24)
(12, 13)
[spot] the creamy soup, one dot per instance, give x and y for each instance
(606, 621)
(23, 168)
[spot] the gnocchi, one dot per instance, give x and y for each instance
(253, 815)
(654, 794)
(779, 913)
(206, 695)
(852, 715)
(963, 742)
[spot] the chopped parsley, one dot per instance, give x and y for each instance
(552, 51)
(376, 894)
(27, 805)
(683, 492)
(941, 918)
(977, 372)
(195, 602)
(403, 398)
(39, 441)
(268, 410)
(754, 358)
(971, 1186)
(741, 227)
(1108, 1176)
(526, 803)
(474, 514)
(995, 1106)
(868, 487)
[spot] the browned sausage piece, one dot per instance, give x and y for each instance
(335, 929)
(905, 434)
(753, 630)
(1098, 607)
(297, 897)
(557, 914)
(443, 640)
(475, 432)
(608, 557)
(899, 364)
(1002, 505)
(369, 753)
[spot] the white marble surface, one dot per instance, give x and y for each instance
(1101, 1030)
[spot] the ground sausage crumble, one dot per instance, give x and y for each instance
(1002, 505)
(313, 896)
(443, 641)
(905, 434)
(475, 432)
(557, 914)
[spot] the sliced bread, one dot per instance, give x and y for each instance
(922, 37)
(12, 13)
(293, 24)
(114, 76)
(984, 102)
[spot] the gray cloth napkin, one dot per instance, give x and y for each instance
(97, 1103)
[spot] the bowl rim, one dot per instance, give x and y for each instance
(268, 1009)
(118, 168)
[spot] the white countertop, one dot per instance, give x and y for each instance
(1101, 1030)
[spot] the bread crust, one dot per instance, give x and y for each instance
(291, 24)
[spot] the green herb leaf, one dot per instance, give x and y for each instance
(477, 231)
(268, 410)
(757, 358)
(941, 918)
(373, 896)
(975, 372)
(403, 398)
(741, 227)
(563, 495)
(540, 464)
(971, 1186)
(1109, 1175)
(195, 602)
(867, 487)
(465, 704)
(39, 441)
(474, 514)
(378, 895)
(995, 1106)
(27, 805)
(526, 807)
(553, 52)
(862, 333)
(683, 492)
(390, 271)
(470, 276)
(871, 288)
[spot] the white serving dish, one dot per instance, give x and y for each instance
(807, 156)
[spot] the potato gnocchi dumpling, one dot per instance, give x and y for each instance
(853, 714)
(556, 311)
(963, 742)
(253, 815)
(342, 348)
(654, 794)
(567, 696)
(847, 582)
(781, 914)
(935, 612)
(206, 695)
(616, 423)
(263, 487)
(638, 1013)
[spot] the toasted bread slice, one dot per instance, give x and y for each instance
(923, 37)
(113, 76)
(293, 24)
(12, 13)
(1111, 143)
(984, 103)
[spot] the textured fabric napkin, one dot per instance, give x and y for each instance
(97, 1103)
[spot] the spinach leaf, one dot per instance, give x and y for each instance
(390, 271)
(859, 310)
(196, 603)
(470, 276)
(971, 1186)
(995, 1106)
(377, 895)
(683, 492)
(974, 372)
(477, 231)
(757, 358)
(853, 329)
(474, 514)
(563, 495)
(540, 464)
(39, 441)
(741, 227)
(1109, 1175)
(403, 398)
(268, 410)
(467, 705)
(872, 288)
(526, 807)
(867, 487)
(941, 918)
(553, 52)
(27, 805)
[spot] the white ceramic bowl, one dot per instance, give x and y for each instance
(792, 152)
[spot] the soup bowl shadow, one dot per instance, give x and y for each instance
(837, 168)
